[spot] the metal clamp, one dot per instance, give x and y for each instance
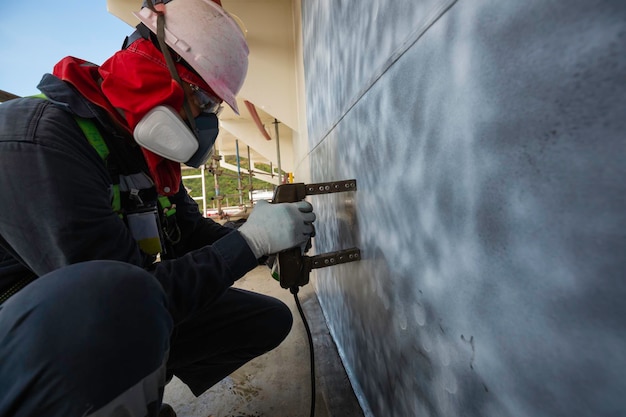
(293, 267)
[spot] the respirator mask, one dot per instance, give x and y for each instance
(163, 132)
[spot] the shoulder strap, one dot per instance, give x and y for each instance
(95, 139)
(91, 132)
(169, 225)
(93, 136)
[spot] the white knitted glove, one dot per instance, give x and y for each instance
(272, 228)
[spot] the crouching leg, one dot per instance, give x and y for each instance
(90, 339)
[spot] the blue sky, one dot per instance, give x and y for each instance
(35, 35)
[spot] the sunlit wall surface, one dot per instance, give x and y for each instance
(488, 139)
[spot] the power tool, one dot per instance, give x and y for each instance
(291, 267)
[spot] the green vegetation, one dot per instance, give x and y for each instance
(227, 182)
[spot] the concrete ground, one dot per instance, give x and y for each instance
(277, 384)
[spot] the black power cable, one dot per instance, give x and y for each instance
(294, 290)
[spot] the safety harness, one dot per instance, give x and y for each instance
(127, 194)
(133, 193)
(136, 187)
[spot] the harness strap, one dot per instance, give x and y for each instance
(93, 136)
(91, 132)
(95, 139)
(168, 208)
(141, 32)
(171, 229)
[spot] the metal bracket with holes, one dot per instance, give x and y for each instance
(293, 267)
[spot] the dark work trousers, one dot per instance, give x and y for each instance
(96, 339)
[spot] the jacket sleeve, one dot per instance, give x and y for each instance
(206, 273)
(60, 210)
(215, 251)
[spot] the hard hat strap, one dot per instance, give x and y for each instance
(170, 61)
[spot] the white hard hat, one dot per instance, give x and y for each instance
(209, 40)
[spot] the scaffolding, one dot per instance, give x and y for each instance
(221, 207)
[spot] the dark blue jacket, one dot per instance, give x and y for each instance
(57, 211)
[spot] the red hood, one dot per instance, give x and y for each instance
(133, 81)
(84, 77)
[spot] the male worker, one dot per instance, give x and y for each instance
(92, 323)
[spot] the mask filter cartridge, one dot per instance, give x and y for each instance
(163, 132)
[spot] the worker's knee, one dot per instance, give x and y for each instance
(97, 304)
(98, 326)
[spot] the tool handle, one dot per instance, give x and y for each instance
(289, 193)
(292, 268)
(291, 264)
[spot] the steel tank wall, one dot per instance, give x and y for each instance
(488, 139)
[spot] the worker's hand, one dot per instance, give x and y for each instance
(272, 228)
